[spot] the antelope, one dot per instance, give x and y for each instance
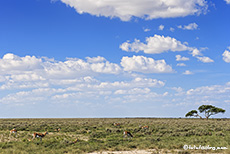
(75, 141)
(127, 134)
(40, 135)
(116, 124)
(57, 130)
(13, 131)
(145, 127)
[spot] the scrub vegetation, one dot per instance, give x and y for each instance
(83, 135)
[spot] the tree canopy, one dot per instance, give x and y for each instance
(208, 111)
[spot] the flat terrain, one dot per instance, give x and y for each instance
(95, 135)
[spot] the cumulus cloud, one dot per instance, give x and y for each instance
(210, 90)
(180, 58)
(191, 26)
(146, 9)
(147, 29)
(172, 29)
(133, 91)
(181, 64)
(205, 59)
(197, 53)
(145, 65)
(161, 27)
(11, 62)
(187, 72)
(154, 45)
(83, 89)
(79, 67)
(35, 72)
(70, 81)
(227, 1)
(160, 44)
(95, 59)
(125, 85)
(226, 56)
(26, 77)
(22, 72)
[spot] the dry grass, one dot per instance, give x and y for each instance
(169, 135)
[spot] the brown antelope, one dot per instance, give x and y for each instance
(116, 124)
(145, 127)
(13, 131)
(127, 134)
(75, 141)
(57, 130)
(39, 135)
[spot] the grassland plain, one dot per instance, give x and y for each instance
(99, 134)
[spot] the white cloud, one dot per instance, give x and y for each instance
(181, 64)
(29, 71)
(187, 72)
(76, 74)
(133, 91)
(211, 90)
(83, 89)
(197, 53)
(26, 77)
(13, 85)
(147, 29)
(180, 58)
(178, 89)
(154, 45)
(135, 83)
(106, 67)
(3, 78)
(205, 59)
(161, 27)
(79, 67)
(172, 29)
(226, 56)
(159, 44)
(145, 65)
(227, 1)
(191, 26)
(95, 59)
(11, 62)
(146, 9)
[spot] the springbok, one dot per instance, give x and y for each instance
(13, 131)
(39, 135)
(127, 134)
(116, 124)
(145, 127)
(75, 141)
(57, 130)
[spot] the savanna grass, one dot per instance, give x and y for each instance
(93, 134)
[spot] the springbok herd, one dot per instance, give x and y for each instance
(41, 135)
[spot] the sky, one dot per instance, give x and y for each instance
(113, 58)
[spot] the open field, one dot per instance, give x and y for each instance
(97, 135)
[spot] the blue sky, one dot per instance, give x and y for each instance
(129, 58)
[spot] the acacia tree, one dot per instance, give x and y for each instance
(193, 113)
(208, 110)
